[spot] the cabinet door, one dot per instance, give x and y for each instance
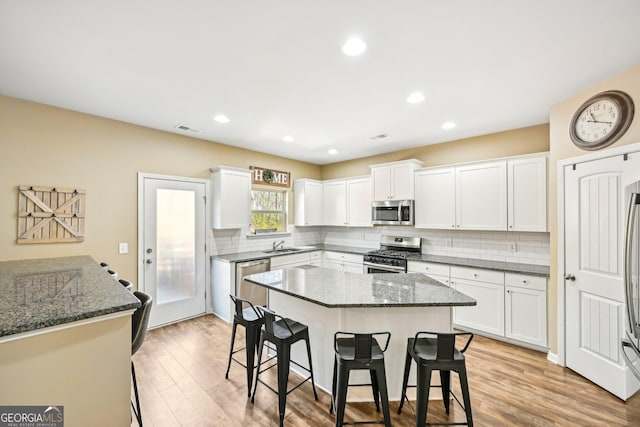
(359, 202)
(381, 183)
(308, 203)
(350, 267)
(488, 314)
(335, 203)
(435, 205)
(332, 264)
(402, 182)
(526, 315)
(231, 205)
(481, 196)
(527, 194)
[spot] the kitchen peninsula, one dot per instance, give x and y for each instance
(65, 339)
(329, 301)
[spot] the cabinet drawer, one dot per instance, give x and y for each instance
(316, 255)
(285, 260)
(478, 274)
(429, 268)
(341, 256)
(442, 279)
(525, 281)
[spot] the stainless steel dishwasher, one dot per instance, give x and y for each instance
(254, 293)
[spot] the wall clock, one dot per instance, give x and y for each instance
(601, 120)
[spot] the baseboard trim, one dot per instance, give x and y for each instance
(552, 357)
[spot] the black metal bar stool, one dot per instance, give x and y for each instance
(436, 352)
(248, 316)
(282, 333)
(139, 323)
(359, 352)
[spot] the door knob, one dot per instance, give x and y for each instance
(149, 261)
(570, 277)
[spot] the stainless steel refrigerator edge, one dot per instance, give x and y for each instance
(631, 343)
(254, 293)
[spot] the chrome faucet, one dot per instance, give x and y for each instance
(278, 245)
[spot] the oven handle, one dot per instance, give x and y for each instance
(384, 267)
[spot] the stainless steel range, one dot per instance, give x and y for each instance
(393, 254)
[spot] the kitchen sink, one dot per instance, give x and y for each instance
(282, 250)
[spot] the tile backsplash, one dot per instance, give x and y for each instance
(526, 248)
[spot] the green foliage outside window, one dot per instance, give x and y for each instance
(268, 209)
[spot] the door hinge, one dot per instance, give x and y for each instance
(625, 156)
(573, 166)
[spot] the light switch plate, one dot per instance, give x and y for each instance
(123, 248)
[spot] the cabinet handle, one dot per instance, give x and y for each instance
(508, 291)
(475, 275)
(453, 226)
(511, 226)
(524, 281)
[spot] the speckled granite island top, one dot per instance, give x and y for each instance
(332, 288)
(40, 293)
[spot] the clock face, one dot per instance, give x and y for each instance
(597, 121)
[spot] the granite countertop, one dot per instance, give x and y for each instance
(39, 293)
(511, 267)
(332, 288)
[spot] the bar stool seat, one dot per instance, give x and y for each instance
(252, 321)
(433, 351)
(282, 333)
(359, 352)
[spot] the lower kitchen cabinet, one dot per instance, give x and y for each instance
(349, 263)
(526, 308)
(293, 260)
(439, 272)
(488, 314)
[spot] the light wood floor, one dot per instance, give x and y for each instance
(180, 370)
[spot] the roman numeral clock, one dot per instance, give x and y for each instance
(601, 120)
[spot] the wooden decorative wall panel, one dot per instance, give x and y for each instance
(50, 214)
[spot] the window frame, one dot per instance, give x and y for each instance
(284, 211)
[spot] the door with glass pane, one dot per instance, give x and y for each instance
(173, 246)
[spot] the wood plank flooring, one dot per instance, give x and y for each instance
(180, 370)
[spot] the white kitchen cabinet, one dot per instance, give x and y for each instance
(487, 288)
(435, 203)
(526, 308)
(481, 196)
(308, 202)
(439, 272)
(231, 197)
(349, 263)
(293, 260)
(347, 202)
(527, 194)
(393, 181)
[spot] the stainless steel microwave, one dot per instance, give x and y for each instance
(392, 212)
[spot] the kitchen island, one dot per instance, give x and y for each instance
(65, 339)
(329, 301)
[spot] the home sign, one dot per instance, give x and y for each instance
(266, 176)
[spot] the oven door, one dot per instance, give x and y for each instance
(379, 268)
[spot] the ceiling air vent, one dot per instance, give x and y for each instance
(381, 136)
(184, 128)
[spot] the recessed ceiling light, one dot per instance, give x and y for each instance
(221, 118)
(415, 98)
(354, 47)
(287, 138)
(333, 151)
(448, 125)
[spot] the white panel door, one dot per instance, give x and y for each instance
(173, 244)
(335, 202)
(435, 205)
(359, 202)
(527, 199)
(481, 196)
(594, 291)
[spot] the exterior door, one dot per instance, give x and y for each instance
(172, 246)
(594, 289)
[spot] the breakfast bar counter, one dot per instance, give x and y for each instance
(329, 301)
(65, 339)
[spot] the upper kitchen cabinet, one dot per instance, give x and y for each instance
(435, 205)
(481, 196)
(393, 181)
(231, 197)
(527, 194)
(348, 202)
(308, 202)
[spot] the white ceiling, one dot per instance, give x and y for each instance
(275, 68)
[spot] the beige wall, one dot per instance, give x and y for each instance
(43, 145)
(563, 148)
(534, 139)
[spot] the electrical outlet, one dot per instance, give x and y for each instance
(123, 248)
(512, 246)
(450, 242)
